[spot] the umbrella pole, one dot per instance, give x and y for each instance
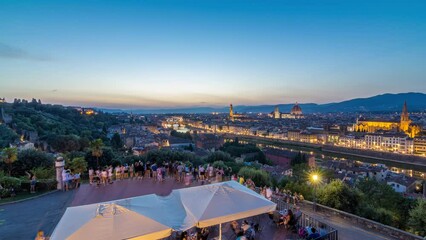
(220, 231)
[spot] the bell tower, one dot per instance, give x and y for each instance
(405, 119)
(231, 112)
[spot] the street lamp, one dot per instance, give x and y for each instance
(315, 179)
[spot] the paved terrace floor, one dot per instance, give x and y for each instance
(22, 220)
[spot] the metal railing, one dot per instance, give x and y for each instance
(306, 220)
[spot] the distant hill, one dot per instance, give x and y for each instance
(381, 103)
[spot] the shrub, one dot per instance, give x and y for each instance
(259, 177)
(44, 173)
(41, 185)
(219, 164)
(7, 184)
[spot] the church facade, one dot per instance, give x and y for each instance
(295, 113)
(404, 125)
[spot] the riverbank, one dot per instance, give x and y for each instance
(339, 152)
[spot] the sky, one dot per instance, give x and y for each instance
(158, 54)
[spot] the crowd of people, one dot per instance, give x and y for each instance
(70, 180)
(181, 172)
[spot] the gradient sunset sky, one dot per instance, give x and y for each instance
(139, 54)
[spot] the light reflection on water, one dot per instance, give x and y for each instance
(325, 157)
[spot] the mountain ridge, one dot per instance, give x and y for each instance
(387, 102)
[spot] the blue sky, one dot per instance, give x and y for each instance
(131, 54)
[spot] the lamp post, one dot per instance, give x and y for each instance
(315, 179)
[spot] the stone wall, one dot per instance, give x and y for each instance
(378, 227)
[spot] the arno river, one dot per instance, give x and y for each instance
(415, 171)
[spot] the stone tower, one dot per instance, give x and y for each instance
(277, 112)
(231, 112)
(405, 119)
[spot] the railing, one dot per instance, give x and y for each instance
(305, 220)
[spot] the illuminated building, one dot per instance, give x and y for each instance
(232, 114)
(404, 125)
(389, 142)
(295, 113)
(420, 145)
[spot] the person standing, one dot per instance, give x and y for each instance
(110, 174)
(33, 184)
(40, 236)
(131, 170)
(91, 172)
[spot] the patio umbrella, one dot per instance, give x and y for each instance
(108, 221)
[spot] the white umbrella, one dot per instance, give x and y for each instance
(223, 202)
(107, 221)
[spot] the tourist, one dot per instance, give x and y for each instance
(195, 173)
(40, 235)
(154, 168)
(64, 180)
(110, 174)
(210, 170)
(137, 171)
(33, 184)
(180, 169)
(76, 180)
(131, 171)
(322, 230)
(241, 180)
(118, 173)
(314, 234)
(123, 171)
(91, 172)
(159, 174)
(163, 173)
(240, 236)
(234, 178)
(141, 170)
(104, 176)
(288, 219)
(148, 169)
(297, 213)
(202, 171)
(268, 193)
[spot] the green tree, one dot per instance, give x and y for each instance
(96, 149)
(417, 220)
(116, 141)
(259, 177)
(7, 136)
(219, 156)
(78, 165)
(30, 159)
(9, 156)
(339, 195)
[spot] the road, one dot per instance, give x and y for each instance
(22, 220)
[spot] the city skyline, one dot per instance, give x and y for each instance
(105, 54)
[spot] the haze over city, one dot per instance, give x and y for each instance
(209, 53)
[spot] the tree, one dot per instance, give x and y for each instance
(78, 165)
(96, 148)
(7, 135)
(30, 159)
(219, 156)
(9, 156)
(417, 220)
(339, 195)
(259, 177)
(116, 141)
